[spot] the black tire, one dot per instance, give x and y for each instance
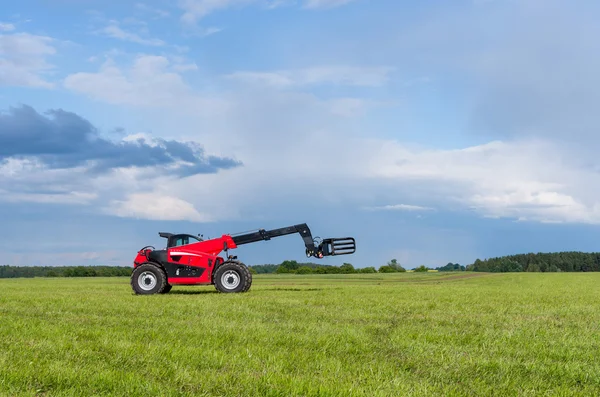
(232, 277)
(148, 279)
(166, 289)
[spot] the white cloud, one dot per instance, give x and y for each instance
(325, 3)
(23, 60)
(185, 67)
(157, 12)
(400, 207)
(115, 31)
(6, 27)
(157, 207)
(336, 75)
(29, 180)
(151, 81)
(526, 179)
(180, 64)
(122, 192)
(347, 107)
(211, 30)
(198, 9)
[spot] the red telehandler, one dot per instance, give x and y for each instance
(191, 260)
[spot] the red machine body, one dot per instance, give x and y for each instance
(191, 260)
(188, 264)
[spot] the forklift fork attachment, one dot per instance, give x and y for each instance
(338, 246)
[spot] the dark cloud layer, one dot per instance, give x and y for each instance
(62, 139)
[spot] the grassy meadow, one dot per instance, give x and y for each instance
(332, 335)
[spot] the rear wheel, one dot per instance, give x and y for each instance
(233, 277)
(148, 279)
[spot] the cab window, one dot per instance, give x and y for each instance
(181, 241)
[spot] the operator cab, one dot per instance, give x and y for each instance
(176, 240)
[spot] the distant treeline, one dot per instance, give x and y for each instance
(8, 271)
(540, 262)
(295, 267)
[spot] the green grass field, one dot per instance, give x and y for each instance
(334, 335)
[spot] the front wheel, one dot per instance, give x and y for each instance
(233, 277)
(147, 279)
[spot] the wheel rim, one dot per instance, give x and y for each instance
(147, 281)
(230, 279)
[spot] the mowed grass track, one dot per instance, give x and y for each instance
(331, 335)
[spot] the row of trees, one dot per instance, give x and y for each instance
(531, 262)
(293, 267)
(540, 262)
(8, 271)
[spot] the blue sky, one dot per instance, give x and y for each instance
(432, 132)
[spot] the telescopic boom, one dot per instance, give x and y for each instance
(326, 247)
